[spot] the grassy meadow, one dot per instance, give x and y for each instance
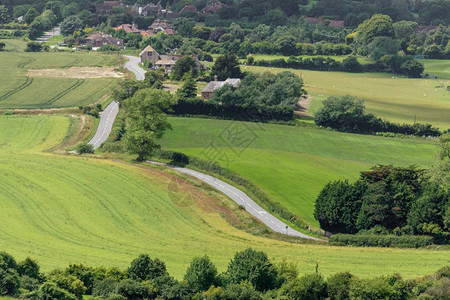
(386, 95)
(17, 90)
(291, 164)
(63, 209)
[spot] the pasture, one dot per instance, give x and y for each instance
(61, 209)
(17, 90)
(291, 164)
(386, 95)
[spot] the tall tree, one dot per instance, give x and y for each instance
(146, 121)
(226, 66)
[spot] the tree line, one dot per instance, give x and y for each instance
(388, 200)
(249, 275)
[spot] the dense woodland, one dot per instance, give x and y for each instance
(250, 275)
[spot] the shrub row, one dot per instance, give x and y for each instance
(375, 240)
(260, 113)
(273, 207)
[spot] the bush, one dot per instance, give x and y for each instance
(375, 240)
(85, 148)
(33, 47)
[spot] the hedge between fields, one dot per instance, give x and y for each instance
(259, 113)
(178, 158)
(375, 240)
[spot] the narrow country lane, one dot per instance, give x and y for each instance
(238, 196)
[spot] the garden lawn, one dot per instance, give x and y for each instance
(62, 209)
(292, 164)
(388, 96)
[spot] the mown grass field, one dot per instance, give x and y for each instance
(17, 90)
(386, 95)
(63, 209)
(292, 164)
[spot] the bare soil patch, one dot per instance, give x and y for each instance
(77, 72)
(303, 106)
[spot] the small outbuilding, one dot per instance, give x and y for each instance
(213, 86)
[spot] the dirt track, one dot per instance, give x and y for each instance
(77, 72)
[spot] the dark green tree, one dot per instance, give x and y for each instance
(338, 205)
(252, 266)
(50, 290)
(70, 24)
(145, 268)
(311, 286)
(338, 285)
(201, 274)
(226, 66)
(4, 15)
(31, 14)
(377, 26)
(184, 65)
(30, 268)
(189, 88)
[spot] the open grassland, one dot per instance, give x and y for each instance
(17, 90)
(437, 67)
(386, 95)
(68, 209)
(291, 164)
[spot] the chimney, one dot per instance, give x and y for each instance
(215, 77)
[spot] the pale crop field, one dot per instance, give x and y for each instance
(17, 90)
(61, 209)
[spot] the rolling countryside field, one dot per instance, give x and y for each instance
(292, 164)
(69, 209)
(386, 95)
(18, 90)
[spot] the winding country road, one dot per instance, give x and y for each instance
(241, 198)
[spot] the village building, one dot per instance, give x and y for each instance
(106, 7)
(213, 86)
(159, 26)
(213, 8)
(167, 62)
(128, 28)
(96, 40)
(188, 7)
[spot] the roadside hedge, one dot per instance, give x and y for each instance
(375, 240)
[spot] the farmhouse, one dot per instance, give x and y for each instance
(129, 28)
(96, 40)
(213, 86)
(212, 8)
(163, 61)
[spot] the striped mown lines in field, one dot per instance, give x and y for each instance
(27, 82)
(78, 83)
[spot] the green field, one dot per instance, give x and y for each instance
(291, 164)
(386, 95)
(63, 209)
(17, 90)
(437, 67)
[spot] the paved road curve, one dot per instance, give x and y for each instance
(49, 34)
(133, 65)
(107, 118)
(241, 198)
